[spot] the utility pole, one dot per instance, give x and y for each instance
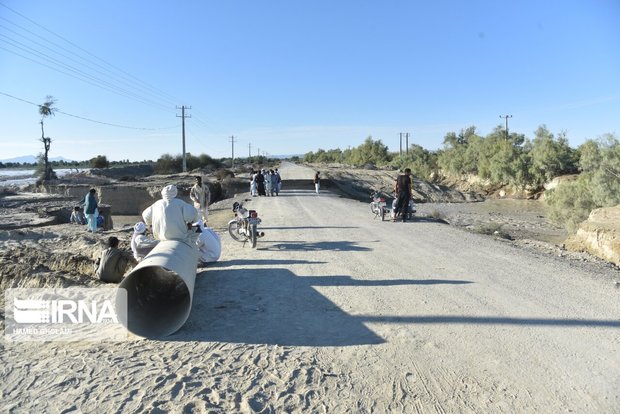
(407, 143)
(506, 117)
(406, 135)
(183, 116)
(232, 161)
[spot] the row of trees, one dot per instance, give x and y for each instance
(514, 160)
(171, 164)
(168, 164)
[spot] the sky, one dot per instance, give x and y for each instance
(289, 77)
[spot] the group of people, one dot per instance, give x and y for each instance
(168, 219)
(265, 183)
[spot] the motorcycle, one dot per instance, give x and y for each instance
(410, 208)
(377, 206)
(243, 227)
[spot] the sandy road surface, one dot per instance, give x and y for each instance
(337, 312)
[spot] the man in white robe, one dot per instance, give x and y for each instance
(170, 218)
(201, 196)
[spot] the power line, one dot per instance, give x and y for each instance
(194, 136)
(173, 99)
(124, 78)
(78, 74)
(88, 119)
(89, 64)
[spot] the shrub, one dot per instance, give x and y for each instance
(100, 161)
(570, 203)
(167, 164)
(597, 186)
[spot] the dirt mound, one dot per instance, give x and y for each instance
(599, 234)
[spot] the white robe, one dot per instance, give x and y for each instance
(168, 217)
(209, 245)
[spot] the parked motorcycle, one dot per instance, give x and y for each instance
(377, 206)
(243, 227)
(410, 208)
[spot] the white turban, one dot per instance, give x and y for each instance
(169, 192)
(139, 228)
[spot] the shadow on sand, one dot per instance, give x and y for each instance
(275, 306)
(338, 246)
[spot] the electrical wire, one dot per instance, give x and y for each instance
(83, 69)
(89, 64)
(125, 78)
(88, 119)
(76, 73)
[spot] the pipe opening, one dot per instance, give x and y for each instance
(158, 301)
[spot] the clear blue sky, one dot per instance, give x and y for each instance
(294, 76)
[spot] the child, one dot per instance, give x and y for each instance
(77, 217)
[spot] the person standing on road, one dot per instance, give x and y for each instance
(268, 182)
(260, 183)
(403, 192)
(253, 189)
(317, 181)
(279, 180)
(274, 183)
(201, 196)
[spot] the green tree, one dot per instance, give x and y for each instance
(167, 164)
(422, 162)
(460, 153)
(47, 109)
(100, 161)
(550, 156)
(597, 186)
(370, 152)
(601, 165)
(570, 203)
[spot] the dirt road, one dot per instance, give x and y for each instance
(338, 312)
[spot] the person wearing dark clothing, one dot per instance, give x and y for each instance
(260, 183)
(403, 192)
(113, 262)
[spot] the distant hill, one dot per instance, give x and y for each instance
(29, 159)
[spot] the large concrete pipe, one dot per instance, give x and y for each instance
(160, 289)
